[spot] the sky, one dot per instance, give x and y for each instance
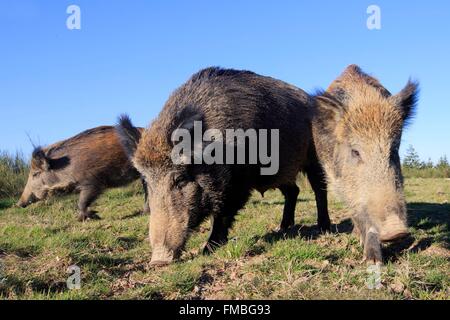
(129, 56)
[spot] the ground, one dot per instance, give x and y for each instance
(38, 244)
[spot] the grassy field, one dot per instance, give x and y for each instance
(38, 244)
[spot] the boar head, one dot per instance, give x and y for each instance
(180, 196)
(357, 132)
(42, 177)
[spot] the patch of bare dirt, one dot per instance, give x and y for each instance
(438, 251)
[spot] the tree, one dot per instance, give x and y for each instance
(412, 159)
(443, 162)
(429, 164)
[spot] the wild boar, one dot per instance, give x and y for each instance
(183, 195)
(357, 129)
(87, 163)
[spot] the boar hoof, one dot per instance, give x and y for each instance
(146, 209)
(284, 229)
(373, 255)
(90, 215)
(212, 246)
(325, 227)
(209, 249)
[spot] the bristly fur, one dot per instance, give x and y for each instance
(353, 74)
(75, 140)
(368, 107)
(38, 157)
(214, 72)
(129, 135)
(37, 152)
(409, 98)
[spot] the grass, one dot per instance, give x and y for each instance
(38, 244)
(14, 174)
(430, 172)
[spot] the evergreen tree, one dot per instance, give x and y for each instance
(412, 159)
(443, 162)
(429, 164)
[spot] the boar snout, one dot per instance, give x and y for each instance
(167, 237)
(21, 204)
(387, 209)
(393, 229)
(161, 257)
(26, 201)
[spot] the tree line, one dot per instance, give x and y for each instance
(413, 166)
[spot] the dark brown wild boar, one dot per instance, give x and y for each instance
(183, 195)
(357, 131)
(87, 163)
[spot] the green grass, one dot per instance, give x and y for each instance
(430, 172)
(39, 243)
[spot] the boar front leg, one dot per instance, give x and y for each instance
(369, 237)
(290, 193)
(219, 233)
(146, 203)
(88, 194)
(316, 178)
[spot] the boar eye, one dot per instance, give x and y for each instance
(179, 182)
(355, 154)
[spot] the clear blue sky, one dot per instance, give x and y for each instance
(130, 55)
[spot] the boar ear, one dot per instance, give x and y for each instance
(187, 117)
(406, 100)
(40, 160)
(129, 135)
(329, 109)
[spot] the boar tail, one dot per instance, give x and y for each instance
(129, 135)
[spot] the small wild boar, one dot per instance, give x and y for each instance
(357, 129)
(87, 163)
(183, 195)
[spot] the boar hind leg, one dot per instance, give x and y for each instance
(316, 178)
(146, 203)
(219, 233)
(369, 237)
(290, 193)
(87, 197)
